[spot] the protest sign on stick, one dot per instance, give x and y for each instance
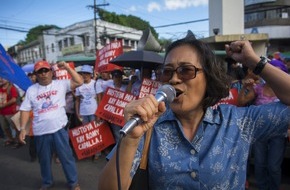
(106, 54)
(112, 106)
(148, 87)
(91, 138)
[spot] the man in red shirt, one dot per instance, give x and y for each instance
(8, 107)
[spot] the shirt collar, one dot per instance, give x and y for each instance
(211, 116)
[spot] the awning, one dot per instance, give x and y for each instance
(77, 58)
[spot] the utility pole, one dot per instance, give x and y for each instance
(95, 8)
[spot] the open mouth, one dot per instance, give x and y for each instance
(178, 92)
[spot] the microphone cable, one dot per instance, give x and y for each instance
(118, 162)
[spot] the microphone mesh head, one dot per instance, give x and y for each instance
(169, 91)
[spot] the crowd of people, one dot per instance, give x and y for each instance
(203, 139)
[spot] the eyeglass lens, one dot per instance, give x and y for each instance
(183, 72)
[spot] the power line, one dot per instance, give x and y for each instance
(13, 29)
(16, 29)
(181, 23)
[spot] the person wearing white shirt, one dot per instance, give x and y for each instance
(49, 122)
(86, 100)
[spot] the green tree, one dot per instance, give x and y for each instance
(165, 42)
(33, 33)
(124, 20)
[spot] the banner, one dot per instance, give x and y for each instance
(12, 72)
(106, 54)
(148, 87)
(61, 74)
(111, 107)
(91, 138)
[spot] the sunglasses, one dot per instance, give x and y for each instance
(184, 72)
(42, 71)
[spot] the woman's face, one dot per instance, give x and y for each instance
(190, 90)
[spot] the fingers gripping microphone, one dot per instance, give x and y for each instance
(165, 93)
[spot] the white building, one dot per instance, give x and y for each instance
(77, 42)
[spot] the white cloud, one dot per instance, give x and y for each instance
(181, 4)
(153, 6)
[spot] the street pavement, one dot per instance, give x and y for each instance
(17, 172)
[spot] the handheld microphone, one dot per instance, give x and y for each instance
(165, 93)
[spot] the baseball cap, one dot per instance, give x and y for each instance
(40, 65)
(86, 69)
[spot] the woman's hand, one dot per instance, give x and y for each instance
(148, 109)
(242, 51)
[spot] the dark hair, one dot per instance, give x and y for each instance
(216, 78)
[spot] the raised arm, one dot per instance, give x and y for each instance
(76, 79)
(278, 80)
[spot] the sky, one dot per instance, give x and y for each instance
(23, 15)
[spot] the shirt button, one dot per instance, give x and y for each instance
(192, 151)
(193, 175)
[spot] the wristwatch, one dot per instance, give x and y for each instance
(260, 65)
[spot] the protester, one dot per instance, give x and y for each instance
(268, 152)
(32, 77)
(86, 100)
(117, 76)
(102, 84)
(8, 107)
(49, 123)
(70, 110)
(194, 146)
(135, 86)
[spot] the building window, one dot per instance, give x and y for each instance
(52, 47)
(60, 45)
(87, 43)
(47, 49)
(126, 42)
(103, 41)
(65, 42)
(72, 41)
(132, 44)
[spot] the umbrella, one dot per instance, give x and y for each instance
(28, 68)
(139, 59)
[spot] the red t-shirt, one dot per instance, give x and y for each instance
(5, 97)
